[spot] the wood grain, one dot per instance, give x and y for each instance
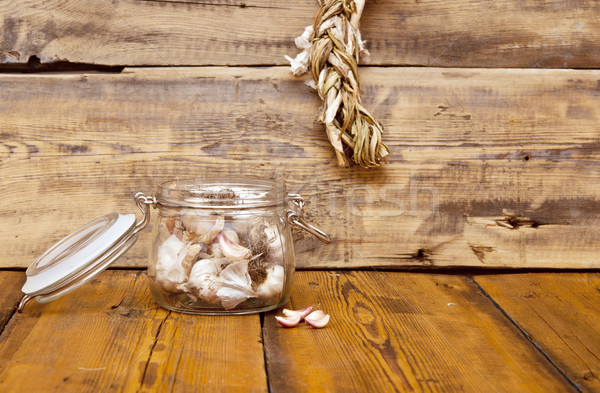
(489, 168)
(109, 335)
(402, 332)
(11, 283)
(560, 313)
(208, 354)
(456, 33)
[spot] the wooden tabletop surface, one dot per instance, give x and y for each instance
(491, 114)
(389, 331)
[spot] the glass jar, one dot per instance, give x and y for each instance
(222, 246)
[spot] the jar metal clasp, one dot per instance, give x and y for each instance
(294, 217)
(143, 203)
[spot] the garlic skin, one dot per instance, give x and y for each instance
(191, 255)
(231, 250)
(288, 322)
(214, 250)
(303, 313)
(273, 285)
(317, 319)
(235, 285)
(214, 231)
(170, 273)
(275, 248)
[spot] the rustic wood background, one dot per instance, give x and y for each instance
(491, 111)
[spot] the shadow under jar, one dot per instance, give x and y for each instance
(223, 246)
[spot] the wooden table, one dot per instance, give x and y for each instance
(491, 112)
(390, 331)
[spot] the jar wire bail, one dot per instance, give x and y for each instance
(294, 217)
(143, 203)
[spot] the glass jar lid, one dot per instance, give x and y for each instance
(81, 255)
(77, 253)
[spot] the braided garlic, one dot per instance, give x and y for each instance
(331, 49)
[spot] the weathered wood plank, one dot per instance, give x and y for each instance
(458, 33)
(560, 313)
(110, 335)
(488, 167)
(11, 283)
(208, 354)
(402, 332)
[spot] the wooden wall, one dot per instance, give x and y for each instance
(491, 111)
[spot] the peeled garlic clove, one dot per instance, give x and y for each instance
(303, 313)
(233, 251)
(317, 319)
(288, 322)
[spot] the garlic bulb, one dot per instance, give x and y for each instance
(202, 280)
(273, 285)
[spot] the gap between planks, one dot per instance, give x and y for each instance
(16, 277)
(524, 333)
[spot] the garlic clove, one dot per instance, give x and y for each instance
(216, 229)
(288, 322)
(317, 319)
(233, 251)
(214, 250)
(232, 235)
(303, 313)
(191, 256)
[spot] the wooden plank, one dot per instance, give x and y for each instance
(402, 332)
(489, 168)
(11, 283)
(208, 354)
(456, 33)
(110, 335)
(560, 313)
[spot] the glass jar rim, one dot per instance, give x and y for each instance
(222, 193)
